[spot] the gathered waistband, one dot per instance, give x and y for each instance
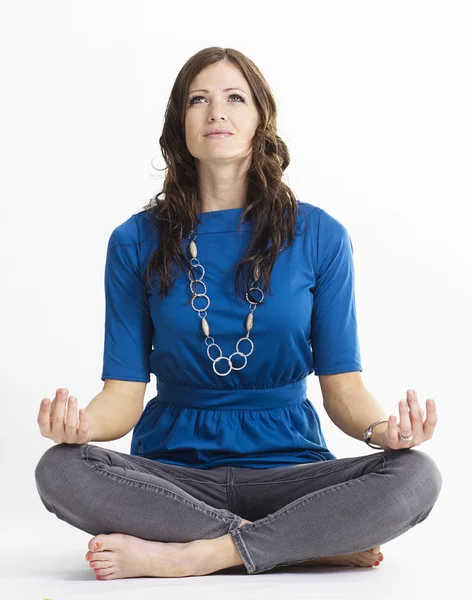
(232, 398)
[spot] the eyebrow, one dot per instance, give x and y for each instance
(225, 90)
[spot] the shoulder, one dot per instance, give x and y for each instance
(132, 242)
(323, 225)
(328, 239)
(319, 216)
(134, 231)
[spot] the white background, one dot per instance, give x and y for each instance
(374, 102)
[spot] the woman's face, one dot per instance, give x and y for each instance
(233, 110)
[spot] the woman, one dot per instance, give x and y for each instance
(231, 435)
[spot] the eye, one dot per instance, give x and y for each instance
(191, 101)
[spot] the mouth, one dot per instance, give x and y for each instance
(218, 135)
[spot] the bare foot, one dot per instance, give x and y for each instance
(364, 558)
(244, 521)
(120, 556)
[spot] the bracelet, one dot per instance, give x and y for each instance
(368, 434)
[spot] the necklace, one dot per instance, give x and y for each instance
(206, 326)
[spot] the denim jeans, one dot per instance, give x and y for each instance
(299, 511)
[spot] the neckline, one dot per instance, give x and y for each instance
(223, 220)
(220, 210)
(226, 220)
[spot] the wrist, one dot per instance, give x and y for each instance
(374, 435)
(378, 434)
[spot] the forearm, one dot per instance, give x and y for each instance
(354, 412)
(111, 416)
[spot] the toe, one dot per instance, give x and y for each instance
(376, 553)
(107, 577)
(103, 572)
(92, 545)
(367, 558)
(99, 559)
(101, 542)
(101, 564)
(94, 556)
(366, 562)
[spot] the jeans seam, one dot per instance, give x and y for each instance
(241, 546)
(196, 480)
(229, 490)
(156, 488)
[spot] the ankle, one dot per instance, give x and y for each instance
(198, 555)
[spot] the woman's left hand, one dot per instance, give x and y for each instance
(411, 422)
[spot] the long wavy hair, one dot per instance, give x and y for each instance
(270, 205)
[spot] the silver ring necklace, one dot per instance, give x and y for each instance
(205, 324)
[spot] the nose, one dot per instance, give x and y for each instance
(217, 112)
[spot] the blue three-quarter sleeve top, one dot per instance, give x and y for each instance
(256, 417)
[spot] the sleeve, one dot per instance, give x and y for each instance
(334, 335)
(128, 323)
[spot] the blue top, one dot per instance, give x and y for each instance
(256, 417)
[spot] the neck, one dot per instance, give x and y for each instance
(223, 187)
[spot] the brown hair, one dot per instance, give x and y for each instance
(271, 205)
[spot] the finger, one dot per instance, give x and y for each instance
(392, 431)
(415, 415)
(57, 430)
(405, 424)
(431, 419)
(83, 432)
(55, 401)
(71, 420)
(44, 417)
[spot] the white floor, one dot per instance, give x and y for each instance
(44, 559)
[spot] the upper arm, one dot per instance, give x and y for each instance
(334, 336)
(134, 390)
(128, 331)
(340, 385)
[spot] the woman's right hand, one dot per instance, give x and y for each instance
(54, 424)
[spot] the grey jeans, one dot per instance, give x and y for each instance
(300, 512)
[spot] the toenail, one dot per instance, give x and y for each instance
(89, 556)
(92, 564)
(377, 563)
(97, 546)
